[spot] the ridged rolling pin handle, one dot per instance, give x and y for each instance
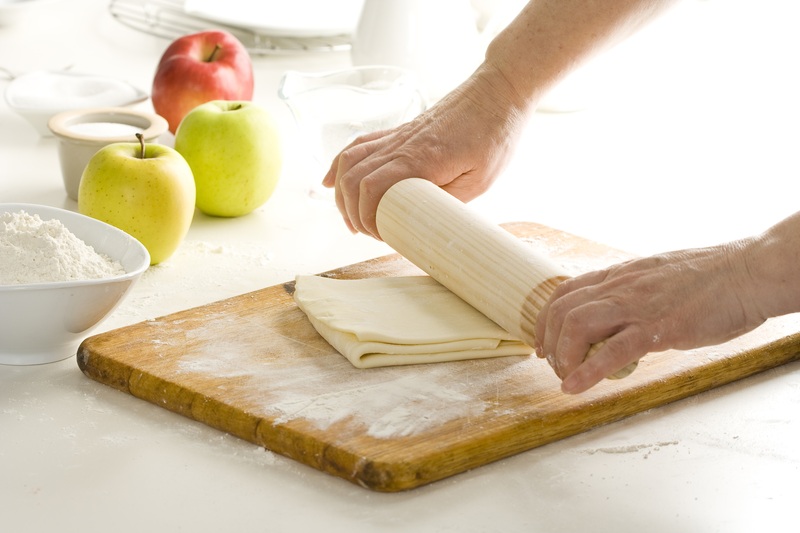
(477, 260)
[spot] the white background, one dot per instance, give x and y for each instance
(687, 137)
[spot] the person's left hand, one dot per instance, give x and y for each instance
(680, 300)
(460, 144)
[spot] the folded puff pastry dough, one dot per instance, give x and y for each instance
(393, 321)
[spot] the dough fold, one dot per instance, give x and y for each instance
(406, 320)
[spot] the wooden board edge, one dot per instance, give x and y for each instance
(391, 472)
(381, 473)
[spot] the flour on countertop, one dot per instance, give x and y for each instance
(647, 449)
(33, 250)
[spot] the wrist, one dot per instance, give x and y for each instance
(493, 88)
(770, 269)
(509, 76)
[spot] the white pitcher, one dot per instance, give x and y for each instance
(437, 39)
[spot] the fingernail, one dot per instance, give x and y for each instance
(569, 385)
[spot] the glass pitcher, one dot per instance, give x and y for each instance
(331, 109)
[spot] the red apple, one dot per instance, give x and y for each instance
(198, 68)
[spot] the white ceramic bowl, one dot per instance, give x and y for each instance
(82, 132)
(38, 95)
(45, 322)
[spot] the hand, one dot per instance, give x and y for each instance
(680, 300)
(460, 144)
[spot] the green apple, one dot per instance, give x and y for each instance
(234, 150)
(146, 191)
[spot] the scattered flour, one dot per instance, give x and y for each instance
(33, 250)
(383, 403)
(648, 448)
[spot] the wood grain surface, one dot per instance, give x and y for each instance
(472, 256)
(253, 366)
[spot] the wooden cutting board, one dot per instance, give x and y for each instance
(253, 366)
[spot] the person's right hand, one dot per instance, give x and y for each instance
(682, 300)
(460, 144)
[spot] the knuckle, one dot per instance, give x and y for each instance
(347, 159)
(561, 312)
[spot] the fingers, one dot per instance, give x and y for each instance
(615, 354)
(329, 180)
(571, 338)
(361, 182)
(371, 190)
(361, 173)
(550, 319)
(330, 177)
(575, 318)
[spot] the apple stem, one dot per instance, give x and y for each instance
(217, 48)
(141, 143)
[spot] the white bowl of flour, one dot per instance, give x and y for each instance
(61, 275)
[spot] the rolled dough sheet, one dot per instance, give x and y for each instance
(406, 320)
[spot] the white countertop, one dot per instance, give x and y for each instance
(683, 148)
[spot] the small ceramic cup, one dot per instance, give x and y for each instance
(82, 132)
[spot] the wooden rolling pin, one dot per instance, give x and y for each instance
(477, 260)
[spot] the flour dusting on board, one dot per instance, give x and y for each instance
(571, 257)
(325, 390)
(395, 408)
